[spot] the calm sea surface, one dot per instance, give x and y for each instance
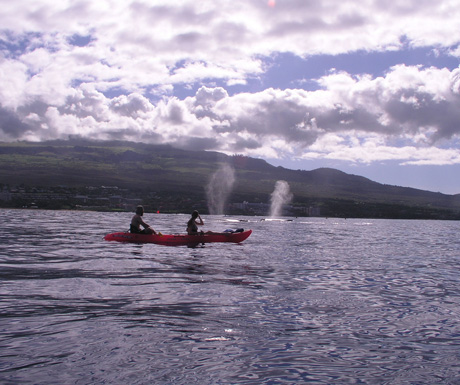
(322, 301)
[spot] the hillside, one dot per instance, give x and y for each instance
(161, 176)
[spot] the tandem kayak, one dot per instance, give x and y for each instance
(179, 239)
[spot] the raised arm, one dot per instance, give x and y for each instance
(199, 221)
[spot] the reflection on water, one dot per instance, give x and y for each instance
(309, 300)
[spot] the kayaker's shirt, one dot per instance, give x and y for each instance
(192, 227)
(136, 223)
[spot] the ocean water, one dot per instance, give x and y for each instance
(310, 300)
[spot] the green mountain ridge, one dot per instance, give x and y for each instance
(178, 179)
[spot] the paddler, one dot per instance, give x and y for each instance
(138, 221)
(193, 223)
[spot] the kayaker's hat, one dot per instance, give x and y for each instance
(140, 210)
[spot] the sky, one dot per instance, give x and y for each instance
(371, 88)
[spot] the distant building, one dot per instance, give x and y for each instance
(314, 211)
(5, 195)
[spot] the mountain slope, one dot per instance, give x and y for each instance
(182, 176)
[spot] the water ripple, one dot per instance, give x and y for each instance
(310, 300)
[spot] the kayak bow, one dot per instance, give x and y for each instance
(178, 239)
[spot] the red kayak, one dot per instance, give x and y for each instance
(179, 239)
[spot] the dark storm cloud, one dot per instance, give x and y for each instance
(11, 127)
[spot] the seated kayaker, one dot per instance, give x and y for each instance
(193, 223)
(137, 222)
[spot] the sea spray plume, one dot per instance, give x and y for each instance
(280, 196)
(219, 188)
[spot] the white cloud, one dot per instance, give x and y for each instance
(132, 105)
(230, 34)
(399, 108)
(367, 149)
(61, 65)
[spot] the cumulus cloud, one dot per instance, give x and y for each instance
(133, 105)
(109, 69)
